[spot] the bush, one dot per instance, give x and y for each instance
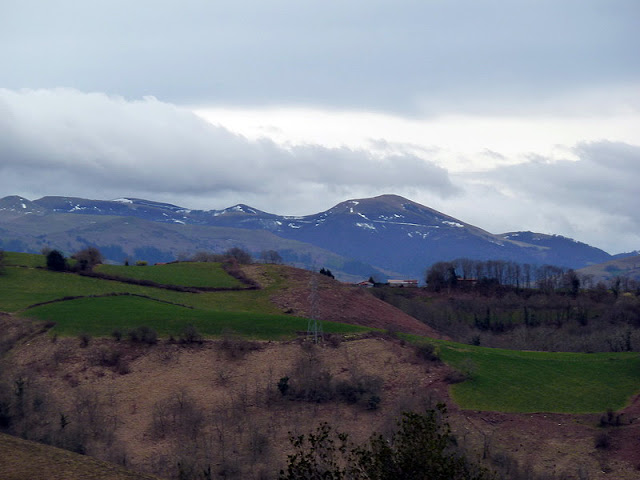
(427, 351)
(283, 385)
(56, 261)
(421, 448)
(359, 389)
(112, 358)
(87, 258)
(235, 346)
(190, 335)
(85, 339)
(117, 334)
(143, 334)
(610, 419)
(240, 255)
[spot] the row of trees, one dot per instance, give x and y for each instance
(548, 278)
(87, 258)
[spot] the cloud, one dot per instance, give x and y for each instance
(401, 56)
(592, 198)
(66, 142)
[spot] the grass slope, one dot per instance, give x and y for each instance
(24, 460)
(101, 316)
(515, 381)
(182, 274)
(249, 312)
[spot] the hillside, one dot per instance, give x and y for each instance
(387, 236)
(628, 267)
(25, 460)
(276, 310)
(181, 404)
(219, 405)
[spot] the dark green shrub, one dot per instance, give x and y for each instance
(421, 448)
(283, 385)
(143, 334)
(56, 261)
(427, 351)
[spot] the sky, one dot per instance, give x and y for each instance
(506, 114)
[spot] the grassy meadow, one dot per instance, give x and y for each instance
(188, 274)
(106, 305)
(517, 381)
(101, 316)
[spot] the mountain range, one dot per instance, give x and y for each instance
(388, 235)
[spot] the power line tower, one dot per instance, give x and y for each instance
(314, 325)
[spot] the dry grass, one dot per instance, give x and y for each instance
(24, 460)
(200, 406)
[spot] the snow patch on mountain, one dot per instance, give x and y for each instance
(366, 226)
(453, 224)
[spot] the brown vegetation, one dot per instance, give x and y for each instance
(178, 409)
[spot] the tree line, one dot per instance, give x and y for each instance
(464, 273)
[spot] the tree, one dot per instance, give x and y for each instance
(56, 261)
(87, 258)
(421, 449)
(240, 255)
(441, 275)
(271, 256)
(326, 272)
(571, 282)
(2, 261)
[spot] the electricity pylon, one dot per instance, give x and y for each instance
(314, 325)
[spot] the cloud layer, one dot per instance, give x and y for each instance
(66, 142)
(402, 56)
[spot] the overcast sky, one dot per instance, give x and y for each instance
(507, 114)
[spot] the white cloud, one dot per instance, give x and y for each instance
(70, 143)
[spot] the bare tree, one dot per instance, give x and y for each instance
(271, 256)
(87, 258)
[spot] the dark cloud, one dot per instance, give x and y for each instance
(69, 143)
(409, 56)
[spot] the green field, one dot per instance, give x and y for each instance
(24, 259)
(23, 287)
(101, 316)
(187, 274)
(246, 312)
(515, 381)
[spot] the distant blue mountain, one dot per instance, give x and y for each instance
(383, 234)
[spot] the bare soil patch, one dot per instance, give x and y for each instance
(338, 302)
